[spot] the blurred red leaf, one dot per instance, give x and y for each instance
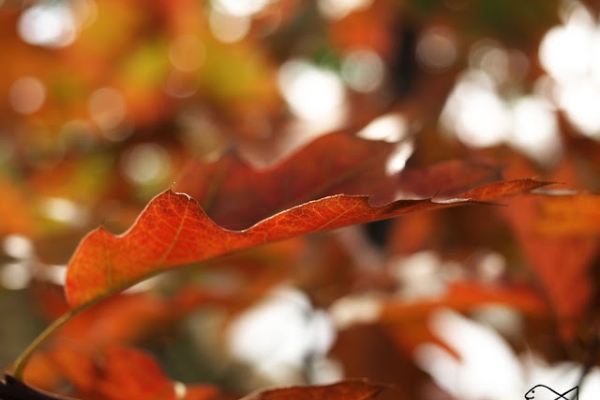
(125, 373)
(408, 321)
(338, 163)
(448, 179)
(367, 352)
(368, 28)
(64, 362)
(16, 215)
(132, 374)
(303, 196)
(561, 262)
(463, 296)
(119, 373)
(173, 230)
(346, 390)
(331, 164)
(499, 189)
(561, 257)
(124, 319)
(571, 215)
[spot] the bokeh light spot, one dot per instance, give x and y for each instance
(352, 310)
(398, 158)
(565, 50)
(17, 246)
(15, 275)
(187, 53)
(107, 108)
(312, 93)
(277, 335)
(436, 49)
(338, 9)
(535, 129)
(228, 28)
(581, 101)
(27, 95)
(240, 8)
(480, 351)
(363, 70)
(146, 163)
(49, 24)
(570, 53)
(390, 127)
(65, 211)
(491, 58)
(475, 112)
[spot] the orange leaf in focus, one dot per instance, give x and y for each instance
(344, 183)
(173, 230)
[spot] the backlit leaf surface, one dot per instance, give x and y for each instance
(174, 230)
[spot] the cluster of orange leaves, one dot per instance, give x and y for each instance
(226, 206)
(174, 230)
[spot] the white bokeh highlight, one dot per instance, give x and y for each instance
(487, 368)
(313, 94)
(277, 336)
(570, 53)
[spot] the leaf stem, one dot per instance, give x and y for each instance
(21, 363)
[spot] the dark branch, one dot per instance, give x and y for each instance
(13, 389)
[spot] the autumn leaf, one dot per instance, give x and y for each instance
(556, 234)
(62, 362)
(408, 321)
(449, 178)
(128, 318)
(132, 374)
(16, 215)
(291, 198)
(174, 230)
(100, 118)
(463, 297)
(339, 163)
(119, 373)
(561, 262)
(346, 390)
(126, 373)
(569, 215)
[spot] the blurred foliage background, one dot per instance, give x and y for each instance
(104, 103)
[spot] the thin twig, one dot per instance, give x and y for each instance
(21, 363)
